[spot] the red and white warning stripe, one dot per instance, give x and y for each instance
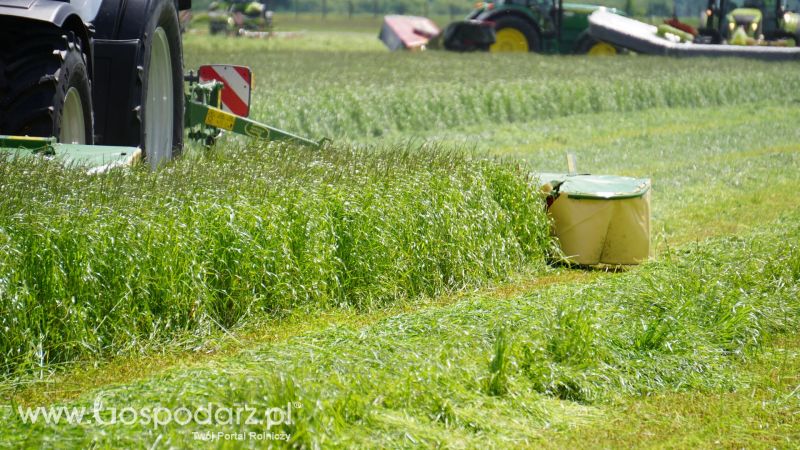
(237, 80)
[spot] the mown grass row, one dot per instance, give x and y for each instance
(361, 94)
(486, 371)
(101, 264)
(357, 113)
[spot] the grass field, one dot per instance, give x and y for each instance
(393, 290)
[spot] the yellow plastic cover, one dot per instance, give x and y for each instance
(610, 227)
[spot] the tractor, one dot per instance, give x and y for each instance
(231, 17)
(544, 26)
(101, 81)
(94, 72)
(771, 21)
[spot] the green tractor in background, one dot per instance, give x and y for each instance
(774, 22)
(234, 17)
(543, 26)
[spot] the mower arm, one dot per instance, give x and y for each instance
(204, 115)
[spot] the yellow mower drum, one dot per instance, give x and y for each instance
(601, 219)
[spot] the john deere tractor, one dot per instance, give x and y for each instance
(755, 22)
(545, 26)
(93, 72)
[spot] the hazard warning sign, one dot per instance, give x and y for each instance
(237, 81)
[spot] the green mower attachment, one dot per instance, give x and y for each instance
(96, 156)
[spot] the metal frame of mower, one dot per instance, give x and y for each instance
(205, 119)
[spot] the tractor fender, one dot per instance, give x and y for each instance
(61, 14)
(508, 12)
(126, 19)
(55, 12)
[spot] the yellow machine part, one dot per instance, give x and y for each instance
(602, 49)
(509, 40)
(598, 231)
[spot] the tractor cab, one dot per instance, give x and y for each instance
(746, 21)
(753, 21)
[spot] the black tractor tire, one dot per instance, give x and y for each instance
(41, 64)
(527, 30)
(163, 18)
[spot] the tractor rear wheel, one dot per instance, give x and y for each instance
(592, 47)
(44, 83)
(161, 102)
(513, 34)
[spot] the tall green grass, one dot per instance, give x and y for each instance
(93, 265)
